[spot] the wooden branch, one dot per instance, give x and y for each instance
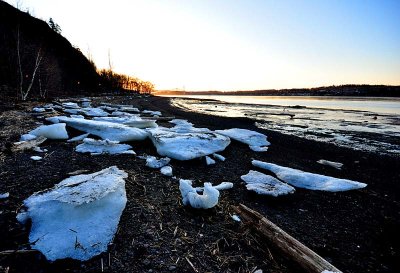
(16, 252)
(289, 246)
(27, 145)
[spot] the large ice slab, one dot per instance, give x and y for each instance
(78, 217)
(266, 184)
(54, 131)
(207, 200)
(308, 180)
(255, 140)
(103, 129)
(132, 121)
(97, 147)
(186, 144)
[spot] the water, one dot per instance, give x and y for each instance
(369, 124)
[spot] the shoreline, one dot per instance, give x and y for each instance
(354, 230)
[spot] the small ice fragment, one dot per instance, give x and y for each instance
(154, 163)
(78, 138)
(38, 110)
(166, 170)
(209, 160)
(27, 137)
(4, 195)
(258, 148)
(207, 200)
(39, 150)
(219, 157)
(235, 218)
(336, 165)
(54, 131)
(70, 105)
(36, 158)
(77, 116)
(152, 113)
(220, 187)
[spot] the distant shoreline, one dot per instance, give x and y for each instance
(343, 90)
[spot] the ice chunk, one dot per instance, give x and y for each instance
(333, 164)
(220, 187)
(54, 131)
(266, 184)
(128, 109)
(78, 138)
(152, 113)
(207, 200)
(39, 150)
(77, 116)
(308, 180)
(77, 218)
(153, 162)
(96, 147)
(70, 105)
(36, 158)
(186, 145)
(209, 160)
(93, 112)
(166, 170)
(38, 110)
(103, 129)
(27, 137)
(4, 195)
(255, 140)
(235, 218)
(219, 157)
(132, 121)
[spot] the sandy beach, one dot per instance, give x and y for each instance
(357, 231)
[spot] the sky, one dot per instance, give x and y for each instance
(235, 44)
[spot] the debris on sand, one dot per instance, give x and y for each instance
(266, 184)
(308, 180)
(78, 217)
(336, 165)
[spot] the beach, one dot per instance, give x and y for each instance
(354, 230)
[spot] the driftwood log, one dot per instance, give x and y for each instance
(27, 145)
(289, 246)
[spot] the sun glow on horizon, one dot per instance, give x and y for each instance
(241, 45)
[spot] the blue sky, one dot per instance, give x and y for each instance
(236, 45)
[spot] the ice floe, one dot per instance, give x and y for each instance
(255, 140)
(207, 200)
(132, 121)
(53, 131)
(266, 184)
(78, 217)
(103, 129)
(185, 144)
(166, 170)
(154, 163)
(97, 147)
(308, 180)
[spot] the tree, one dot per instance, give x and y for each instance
(54, 26)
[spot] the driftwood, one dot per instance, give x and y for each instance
(19, 252)
(29, 144)
(291, 248)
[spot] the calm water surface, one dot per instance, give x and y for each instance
(370, 124)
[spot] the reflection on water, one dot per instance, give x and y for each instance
(377, 131)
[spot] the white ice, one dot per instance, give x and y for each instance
(127, 108)
(207, 200)
(27, 137)
(38, 110)
(255, 140)
(103, 129)
(308, 180)
(166, 170)
(97, 147)
(132, 121)
(266, 184)
(220, 187)
(219, 157)
(78, 138)
(209, 160)
(53, 131)
(235, 218)
(336, 165)
(78, 217)
(185, 144)
(93, 112)
(70, 105)
(4, 195)
(36, 158)
(39, 150)
(154, 163)
(152, 113)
